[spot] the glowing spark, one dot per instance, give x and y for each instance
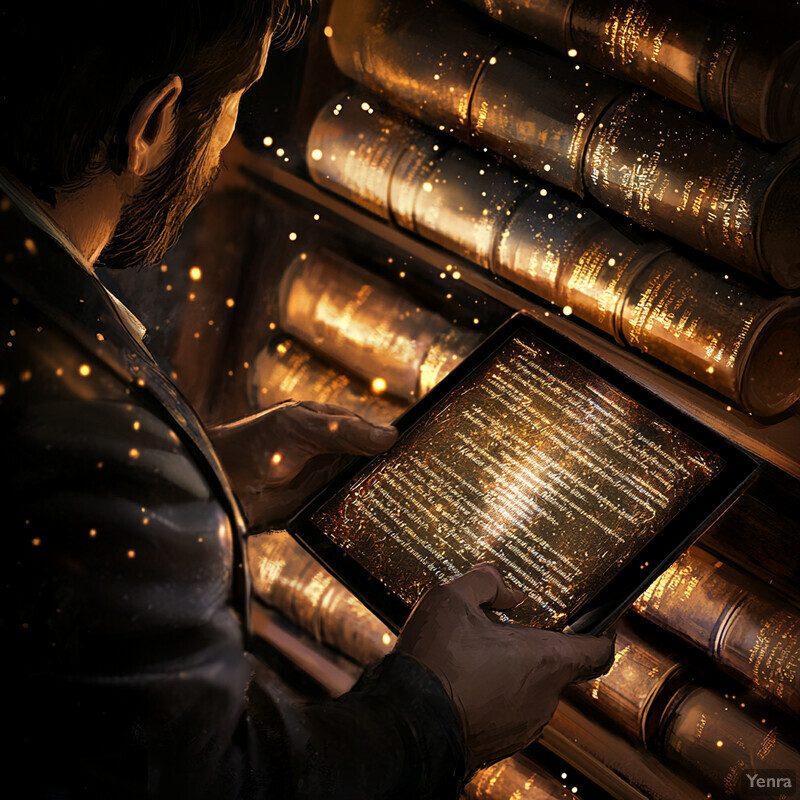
(267, 141)
(195, 273)
(84, 369)
(316, 154)
(378, 385)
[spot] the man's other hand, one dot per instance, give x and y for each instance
(504, 679)
(277, 459)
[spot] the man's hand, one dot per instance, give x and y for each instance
(277, 459)
(504, 679)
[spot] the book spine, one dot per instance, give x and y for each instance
(284, 369)
(713, 741)
(579, 130)
(286, 577)
(748, 631)
(741, 73)
(363, 323)
(509, 778)
(714, 330)
(670, 171)
(635, 690)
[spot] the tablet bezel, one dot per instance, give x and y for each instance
(600, 611)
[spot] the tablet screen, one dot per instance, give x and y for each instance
(533, 463)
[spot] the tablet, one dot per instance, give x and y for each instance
(578, 484)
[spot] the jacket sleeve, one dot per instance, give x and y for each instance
(128, 676)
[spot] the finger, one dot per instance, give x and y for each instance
(586, 656)
(343, 433)
(483, 585)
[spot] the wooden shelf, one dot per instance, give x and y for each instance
(777, 443)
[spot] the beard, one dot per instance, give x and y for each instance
(152, 221)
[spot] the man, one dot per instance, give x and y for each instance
(124, 587)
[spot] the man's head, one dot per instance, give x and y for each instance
(151, 101)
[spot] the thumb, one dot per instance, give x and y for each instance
(585, 656)
(332, 430)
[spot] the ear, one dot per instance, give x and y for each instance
(149, 128)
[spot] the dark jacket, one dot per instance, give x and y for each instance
(124, 586)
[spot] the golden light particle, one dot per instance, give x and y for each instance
(230, 302)
(36, 542)
(436, 76)
(386, 638)
(316, 217)
(543, 192)
(267, 141)
(276, 458)
(710, 370)
(195, 273)
(581, 115)
(316, 154)
(145, 520)
(281, 348)
(456, 275)
(729, 408)
(492, 60)
(246, 365)
(402, 274)
(612, 262)
(547, 168)
(197, 334)
(719, 742)
(2, 389)
(378, 385)
(292, 236)
(136, 425)
(30, 246)
(24, 377)
(163, 267)
(475, 321)
(572, 52)
(131, 554)
(99, 465)
(140, 382)
(60, 371)
(328, 31)
(92, 532)
(272, 326)
(100, 337)
(84, 369)
(133, 452)
(427, 186)
(567, 310)
(280, 151)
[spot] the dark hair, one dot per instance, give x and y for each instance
(70, 78)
